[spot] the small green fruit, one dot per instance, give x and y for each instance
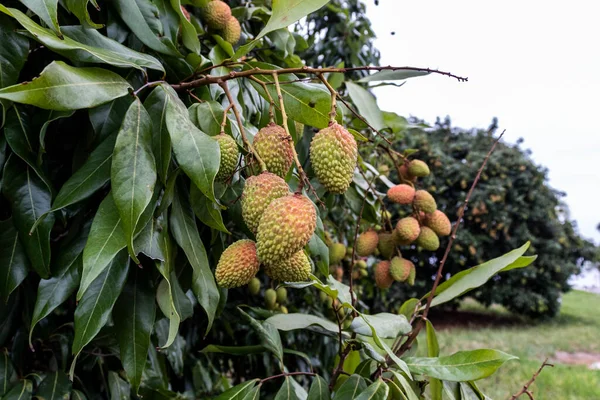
(428, 240)
(337, 252)
(229, 157)
(400, 269)
(387, 245)
(407, 231)
(418, 168)
(254, 286)
(232, 31)
(366, 243)
(425, 201)
(274, 146)
(282, 295)
(439, 223)
(270, 299)
(283, 309)
(362, 264)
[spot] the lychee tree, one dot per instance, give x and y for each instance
(169, 197)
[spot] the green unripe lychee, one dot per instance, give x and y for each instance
(281, 295)
(285, 228)
(238, 264)
(361, 264)
(254, 286)
(215, 14)
(407, 231)
(418, 168)
(259, 191)
(270, 299)
(229, 157)
(363, 273)
(383, 279)
(333, 155)
(400, 269)
(411, 275)
(295, 269)
(428, 240)
(347, 323)
(401, 194)
(425, 201)
(232, 31)
(337, 252)
(366, 243)
(283, 309)
(439, 223)
(274, 146)
(405, 174)
(383, 169)
(387, 245)
(323, 296)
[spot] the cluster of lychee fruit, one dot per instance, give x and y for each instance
(217, 16)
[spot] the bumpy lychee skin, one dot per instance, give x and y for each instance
(400, 269)
(418, 168)
(383, 278)
(295, 269)
(439, 223)
(215, 14)
(258, 193)
(229, 157)
(274, 146)
(425, 201)
(333, 155)
(366, 243)
(232, 31)
(337, 252)
(405, 174)
(285, 228)
(401, 194)
(428, 240)
(238, 264)
(387, 245)
(407, 231)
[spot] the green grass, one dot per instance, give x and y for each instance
(576, 329)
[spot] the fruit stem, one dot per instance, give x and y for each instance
(224, 121)
(334, 94)
(271, 101)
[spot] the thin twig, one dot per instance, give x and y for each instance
(334, 95)
(285, 374)
(525, 388)
(224, 121)
(271, 101)
(145, 85)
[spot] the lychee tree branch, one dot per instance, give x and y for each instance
(224, 121)
(271, 101)
(525, 388)
(334, 95)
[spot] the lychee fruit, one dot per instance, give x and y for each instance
(400, 269)
(216, 13)
(337, 252)
(270, 299)
(411, 275)
(366, 243)
(425, 201)
(281, 295)
(427, 239)
(339, 273)
(294, 269)
(401, 194)
(229, 157)
(361, 264)
(383, 278)
(418, 168)
(407, 231)
(387, 245)
(238, 264)
(439, 223)
(283, 309)
(254, 286)
(285, 228)
(232, 31)
(333, 155)
(274, 146)
(259, 191)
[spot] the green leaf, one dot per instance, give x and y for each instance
(119, 389)
(47, 10)
(238, 392)
(319, 250)
(408, 308)
(253, 394)
(408, 390)
(13, 259)
(94, 308)
(13, 54)
(62, 87)
(268, 334)
(77, 395)
(185, 233)
(433, 350)
(378, 390)
(208, 116)
(286, 12)
(21, 391)
(156, 105)
(139, 16)
(366, 105)
(148, 241)
(133, 172)
(189, 36)
(56, 385)
(174, 304)
(105, 241)
(79, 8)
(286, 391)
(389, 75)
(50, 116)
(234, 350)
(461, 366)
(106, 119)
(198, 154)
(207, 211)
(351, 388)
(7, 372)
(474, 277)
(319, 389)
(387, 325)
(289, 322)
(134, 318)
(29, 198)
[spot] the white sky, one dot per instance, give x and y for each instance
(533, 64)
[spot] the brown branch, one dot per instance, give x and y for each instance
(525, 388)
(334, 96)
(415, 332)
(224, 121)
(285, 374)
(209, 79)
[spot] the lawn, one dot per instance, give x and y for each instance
(576, 329)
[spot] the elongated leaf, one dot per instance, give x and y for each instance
(50, 117)
(13, 260)
(208, 116)
(198, 154)
(13, 53)
(289, 322)
(133, 172)
(387, 325)
(139, 16)
(476, 276)
(286, 12)
(351, 388)
(119, 389)
(47, 10)
(94, 308)
(253, 394)
(433, 350)
(79, 8)
(319, 389)
(189, 36)
(134, 318)
(107, 118)
(392, 75)
(460, 367)
(286, 391)
(156, 105)
(21, 391)
(207, 211)
(238, 392)
(77, 395)
(62, 87)
(105, 241)
(407, 390)
(29, 198)
(234, 350)
(378, 390)
(185, 233)
(366, 105)
(56, 385)
(148, 240)
(268, 333)
(7, 372)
